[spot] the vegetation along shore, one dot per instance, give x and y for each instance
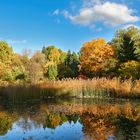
(99, 69)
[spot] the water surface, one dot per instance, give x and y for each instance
(69, 119)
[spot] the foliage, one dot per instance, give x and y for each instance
(55, 61)
(52, 72)
(64, 71)
(53, 54)
(97, 58)
(72, 62)
(127, 44)
(53, 120)
(13, 74)
(5, 123)
(94, 55)
(69, 68)
(2, 69)
(36, 67)
(7, 75)
(5, 52)
(39, 58)
(130, 69)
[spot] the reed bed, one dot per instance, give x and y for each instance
(91, 88)
(96, 87)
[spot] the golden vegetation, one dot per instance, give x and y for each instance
(96, 87)
(96, 56)
(91, 88)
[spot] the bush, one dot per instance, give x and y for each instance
(18, 73)
(130, 69)
(13, 74)
(7, 76)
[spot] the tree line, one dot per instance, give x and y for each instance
(97, 58)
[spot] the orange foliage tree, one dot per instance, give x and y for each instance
(96, 57)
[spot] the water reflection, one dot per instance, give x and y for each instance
(72, 119)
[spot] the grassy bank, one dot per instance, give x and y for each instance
(95, 88)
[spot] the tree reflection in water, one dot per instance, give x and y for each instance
(99, 120)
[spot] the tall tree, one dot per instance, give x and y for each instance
(127, 44)
(53, 54)
(55, 61)
(72, 61)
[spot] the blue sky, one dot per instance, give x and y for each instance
(67, 24)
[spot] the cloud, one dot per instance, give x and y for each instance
(90, 3)
(13, 42)
(109, 13)
(56, 12)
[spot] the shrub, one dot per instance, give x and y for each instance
(7, 75)
(130, 69)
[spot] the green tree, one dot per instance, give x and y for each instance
(55, 61)
(52, 72)
(130, 69)
(54, 54)
(127, 44)
(63, 56)
(72, 62)
(64, 71)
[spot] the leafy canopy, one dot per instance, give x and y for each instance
(94, 55)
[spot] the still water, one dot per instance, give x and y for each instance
(73, 119)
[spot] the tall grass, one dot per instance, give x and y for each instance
(97, 87)
(94, 88)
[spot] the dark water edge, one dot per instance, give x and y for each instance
(29, 115)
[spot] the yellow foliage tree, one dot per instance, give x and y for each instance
(54, 55)
(96, 56)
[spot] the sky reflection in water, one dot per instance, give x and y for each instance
(71, 120)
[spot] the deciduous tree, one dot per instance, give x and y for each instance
(94, 57)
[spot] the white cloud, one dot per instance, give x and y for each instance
(109, 13)
(12, 42)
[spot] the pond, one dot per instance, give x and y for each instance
(69, 119)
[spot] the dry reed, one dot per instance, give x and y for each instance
(97, 86)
